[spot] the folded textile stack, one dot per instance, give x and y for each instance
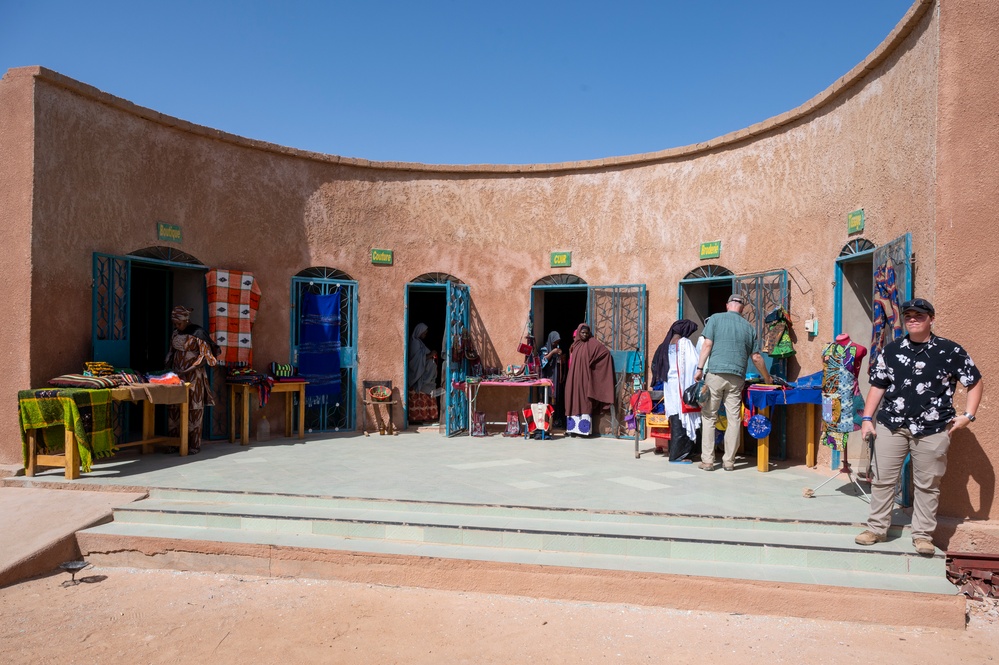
(285, 373)
(98, 369)
(251, 377)
(167, 379)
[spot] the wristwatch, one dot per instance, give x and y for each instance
(970, 417)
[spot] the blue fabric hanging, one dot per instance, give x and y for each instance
(319, 346)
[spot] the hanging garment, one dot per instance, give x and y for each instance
(233, 300)
(840, 393)
(319, 347)
(777, 336)
(887, 319)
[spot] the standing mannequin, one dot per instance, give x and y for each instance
(841, 361)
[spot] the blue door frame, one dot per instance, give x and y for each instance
(458, 317)
(331, 415)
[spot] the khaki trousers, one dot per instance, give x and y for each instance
(721, 389)
(929, 463)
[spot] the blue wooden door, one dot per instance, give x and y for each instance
(455, 399)
(329, 414)
(617, 316)
(111, 293)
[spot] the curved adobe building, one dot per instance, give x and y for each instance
(909, 136)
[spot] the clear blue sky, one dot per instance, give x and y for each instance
(458, 81)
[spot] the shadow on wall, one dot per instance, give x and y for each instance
(480, 338)
(969, 468)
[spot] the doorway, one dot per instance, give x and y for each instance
(558, 303)
(132, 299)
(329, 413)
(703, 292)
(853, 313)
(427, 305)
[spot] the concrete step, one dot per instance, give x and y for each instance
(771, 550)
(108, 538)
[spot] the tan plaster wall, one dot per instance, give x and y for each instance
(776, 195)
(967, 200)
(16, 163)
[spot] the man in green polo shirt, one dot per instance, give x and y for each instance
(729, 343)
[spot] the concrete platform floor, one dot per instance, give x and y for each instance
(594, 474)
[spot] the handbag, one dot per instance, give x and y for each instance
(690, 399)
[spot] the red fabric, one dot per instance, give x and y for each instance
(422, 407)
(591, 376)
(233, 300)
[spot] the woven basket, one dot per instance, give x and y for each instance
(379, 393)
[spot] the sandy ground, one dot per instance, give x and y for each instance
(121, 615)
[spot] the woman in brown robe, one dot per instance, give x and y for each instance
(590, 383)
(191, 349)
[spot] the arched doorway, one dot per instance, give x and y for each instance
(329, 413)
(703, 292)
(558, 303)
(441, 302)
(134, 332)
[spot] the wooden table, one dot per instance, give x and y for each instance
(242, 390)
(810, 397)
(70, 459)
(472, 392)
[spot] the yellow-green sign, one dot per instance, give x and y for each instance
(855, 221)
(168, 232)
(711, 250)
(381, 257)
(561, 259)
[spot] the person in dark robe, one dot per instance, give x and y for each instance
(590, 384)
(191, 351)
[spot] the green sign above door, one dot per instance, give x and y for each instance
(561, 259)
(855, 221)
(381, 257)
(710, 250)
(168, 232)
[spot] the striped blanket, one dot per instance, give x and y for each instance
(233, 300)
(89, 413)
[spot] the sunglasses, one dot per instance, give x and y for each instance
(918, 303)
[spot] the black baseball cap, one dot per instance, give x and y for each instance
(919, 305)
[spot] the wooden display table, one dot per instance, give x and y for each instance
(70, 459)
(765, 397)
(472, 393)
(242, 390)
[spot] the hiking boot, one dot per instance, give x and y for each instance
(869, 538)
(924, 547)
(704, 466)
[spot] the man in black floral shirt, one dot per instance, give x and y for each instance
(914, 381)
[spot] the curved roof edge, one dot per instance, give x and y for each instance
(902, 30)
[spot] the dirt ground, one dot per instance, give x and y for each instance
(121, 615)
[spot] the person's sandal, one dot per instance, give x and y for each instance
(704, 466)
(869, 538)
(729, 467)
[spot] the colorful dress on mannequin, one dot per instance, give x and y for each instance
(841, 401)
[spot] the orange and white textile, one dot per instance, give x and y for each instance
(233, 300)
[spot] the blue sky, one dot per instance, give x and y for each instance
(456, 82)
